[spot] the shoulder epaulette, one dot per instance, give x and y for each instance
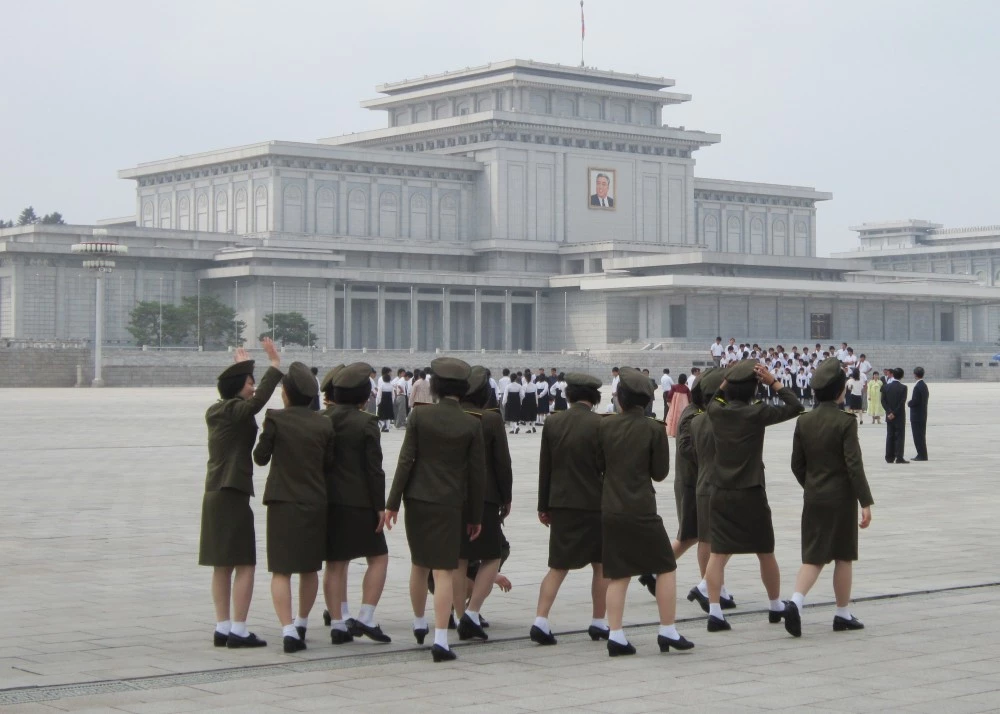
(720, 400)
(470, 412)
(422, 404)
(368, 413)
(658, 421)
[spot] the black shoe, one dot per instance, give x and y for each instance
(774, 617)
(541, 637)
(728, 603)
(888, 460)
(339, 637)
(451, 622)
(793, 620)
(293, 644)
(373, 633)
(842, 623)
(680, 644)
(440, 654)
(649, 580)
(326, 618)
(420, 634)
(902, 461)
(695, 594)
(354, 627)
(919, 458)
(302, 632)
(598, 633)
(483, 623)
(219, 639)
(467, 629)
(716, 624)
(618, 650)
(251, 640)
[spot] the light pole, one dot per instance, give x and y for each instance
(160, 320)
(99, 253)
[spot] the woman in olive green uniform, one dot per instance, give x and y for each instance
(228, 543)
(355, 491)
(441, 471)
(633, 452)
(826, 461)
(298, 443)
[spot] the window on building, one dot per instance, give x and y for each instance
(575, 267)
(819, 326)
(597, 265)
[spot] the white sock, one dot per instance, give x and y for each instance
(474, 616)
(725, 593)
(441, 638)
(301, 622)
(367, 614)
(715, 610)
(224, 627)
(419, 623)
(844, 612)
(703, 588)
(618, 636)
(239, 629)
(776, 606)
(601, 623)
(669, 631)
(338, 625)
(289, 631)
(800, 600)
(542, 623)
(345, 611)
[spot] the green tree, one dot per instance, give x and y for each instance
(144, 323)
(27, 217)
(289, 328)
(53, 219)
(218, 321)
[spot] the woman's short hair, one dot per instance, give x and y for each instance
(831, 391)
(352, 395)
(631, 399)
(230, 387)
(441, 387)
(295, 397)
(682, 378)
(576, 393)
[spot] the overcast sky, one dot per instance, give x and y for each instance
(890, 105)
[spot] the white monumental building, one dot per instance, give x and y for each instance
(518, 205)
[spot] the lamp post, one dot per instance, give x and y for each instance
(98, 253)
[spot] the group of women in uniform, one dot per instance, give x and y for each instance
(326, 500)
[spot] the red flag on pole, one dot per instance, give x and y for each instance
(583, 26)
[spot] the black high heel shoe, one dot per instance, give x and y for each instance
(596, 633)
(680, 644)
(440, 654)
(618, 650)
(326, 618)
(420, 634)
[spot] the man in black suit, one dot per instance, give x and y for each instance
(918, 414)
(894, 403)
(601, 198)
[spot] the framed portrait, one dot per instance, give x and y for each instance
(602, 189)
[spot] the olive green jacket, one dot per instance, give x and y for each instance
(739, 437)
(499, 474)
(568, 474)
(357, 478)
(232, 430)
(633, 451)
(298, 443)
(826, 456)
(702, 444)
(685, 460)
(442, 460)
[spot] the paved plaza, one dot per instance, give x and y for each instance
(103, 606)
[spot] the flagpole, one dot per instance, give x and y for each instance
(583, 34)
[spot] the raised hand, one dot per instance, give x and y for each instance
(271, 351)
(241, 355)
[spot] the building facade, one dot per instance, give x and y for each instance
(518, 205)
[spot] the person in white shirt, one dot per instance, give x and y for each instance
(399, 399)
(717, 351)
(666, 382)
(495, 386)
(614, 389)
(512, 393)
(541, 400)
(849, 359)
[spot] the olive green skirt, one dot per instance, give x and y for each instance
(636, 545)
(687, 511)
(829, 531)
(704, 518)
(741, 521)
(227, 532)
(350, 533)
(296, 537)
(434, 534)
(489, 544)
(575, 539)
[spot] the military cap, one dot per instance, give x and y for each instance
(451, 368)
(827, 373)
(636, 382)
(240, 368)
(579, 379)
(353, 375)
(477, 379)
(303, 379)
(710, 381)
(741, 372)
(329, 377)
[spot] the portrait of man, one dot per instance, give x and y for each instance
(602, 189)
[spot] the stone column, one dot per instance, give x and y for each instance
(477, 327)
(380, 319)
(331, 315)
(309, 205)
(445, 320)
(404, 210)
(414, 323)
(374, 225)
(347, 317)
(508, 322)
(341, 217)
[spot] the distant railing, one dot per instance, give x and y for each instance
(26, 344)
(967, 229)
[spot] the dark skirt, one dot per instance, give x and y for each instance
(704, 518)
(529, 408)
(512, 409)
(575, 538)
(635, 545)
(560, 404)
(296, 538)
(227, 533)
(434, 533)
(385, 406)
(829, 531)
(489, 543)
(854, 401)
(543, 405)
(687, 511)
(741, 521)
(350, 533)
